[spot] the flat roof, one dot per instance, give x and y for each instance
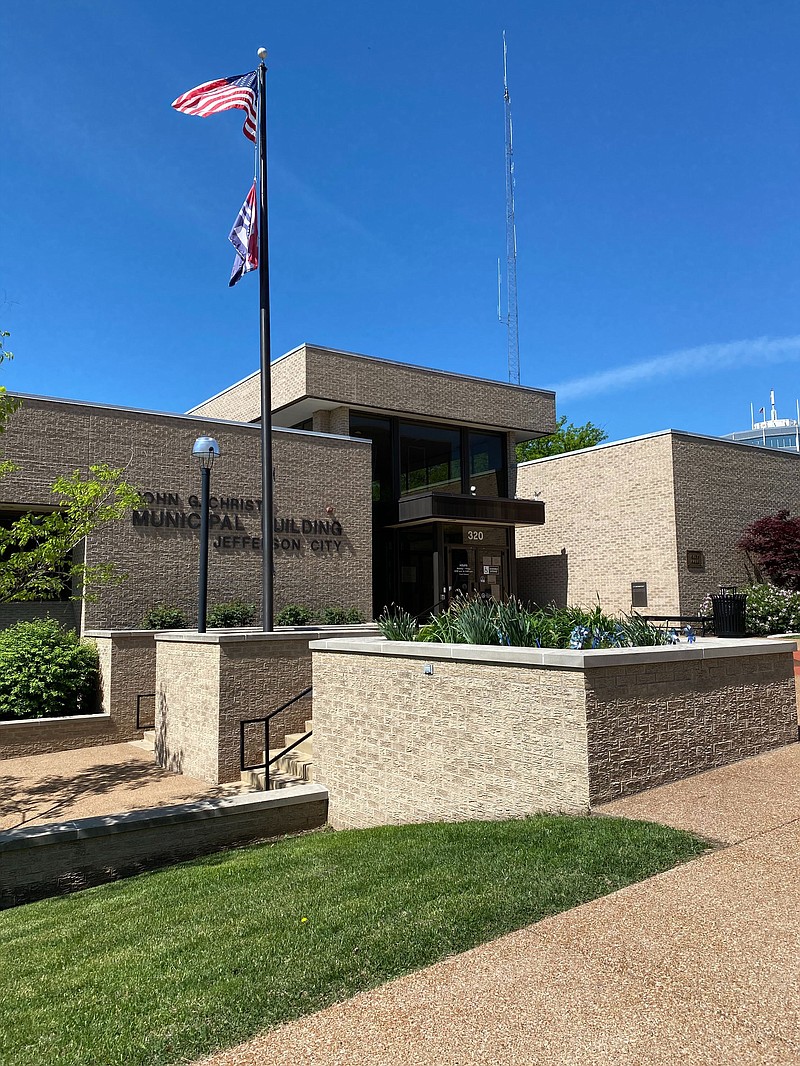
(725, 441)
(204, 419)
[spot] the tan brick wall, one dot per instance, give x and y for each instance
(239, 403)
(207, 686)
(361, 381)
(630, 512)
(46, 438)
(127, 670)
(40, 736)
(720, 488)
(523, 730)
(187, 708)
(472, 741)
(660, 722)
(609, 521)
(127, 667)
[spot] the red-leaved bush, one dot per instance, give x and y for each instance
(774, 545)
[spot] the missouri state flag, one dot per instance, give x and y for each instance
(221, 95)
(244, 238)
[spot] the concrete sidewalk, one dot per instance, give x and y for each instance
(699, 965)
(90, 782)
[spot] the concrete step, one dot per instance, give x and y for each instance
(294, 768)
(255, 779)
(148, 741)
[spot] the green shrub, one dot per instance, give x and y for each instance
(397, 624)
(231, 615)
(46, 672)
(163, 616)
(771, 610)
(339, 616)
(295, 614)
(474, 620)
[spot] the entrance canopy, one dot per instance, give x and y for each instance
(455, 507)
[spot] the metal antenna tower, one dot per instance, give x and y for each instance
(512, 319)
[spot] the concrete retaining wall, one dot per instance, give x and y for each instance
(51, 859)
(407, 732)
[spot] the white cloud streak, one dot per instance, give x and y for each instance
(689, 362)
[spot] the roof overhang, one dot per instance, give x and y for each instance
(455, 507)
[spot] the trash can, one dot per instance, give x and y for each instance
(729, 612)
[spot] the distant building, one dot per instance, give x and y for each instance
(773, 432)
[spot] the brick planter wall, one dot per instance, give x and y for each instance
(127, 667)
(208, 683)
(499, 732)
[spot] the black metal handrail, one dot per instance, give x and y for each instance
(265, 721)
(139, 698)
(429, 610)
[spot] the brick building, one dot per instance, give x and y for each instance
(381, 468)
(650, 522)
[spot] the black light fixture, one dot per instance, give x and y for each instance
(205, 450)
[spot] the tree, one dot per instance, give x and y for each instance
(567, 438)
(773, 546)
(36, 550)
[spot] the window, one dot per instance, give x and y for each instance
(430, 458)
(487, 464)
(379, 431)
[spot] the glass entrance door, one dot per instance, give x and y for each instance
(460, 572)
(492, 572)
(477, 571)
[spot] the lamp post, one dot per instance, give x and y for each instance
(205, 450)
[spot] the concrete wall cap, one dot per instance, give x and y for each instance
(130, 821)
(17, 723)
(243, 636)
(708, 648)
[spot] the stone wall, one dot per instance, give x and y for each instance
(320, 483)
(610, 521)
(127, 668)
(127, 671)
(38, 736)
(501, 732)
(393, 745)
(659, 722)
(208, 683)
(47, 860)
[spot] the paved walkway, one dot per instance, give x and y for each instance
(699, 965)
(88, 782)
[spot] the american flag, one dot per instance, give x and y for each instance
(244, 238)
(222, 95)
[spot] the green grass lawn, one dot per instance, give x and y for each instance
(164, 967)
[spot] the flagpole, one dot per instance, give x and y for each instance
(267, 569)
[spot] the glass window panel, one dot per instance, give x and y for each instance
(430, 458)
(379, 431)
(487, 464)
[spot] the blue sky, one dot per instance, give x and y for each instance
(657, 160)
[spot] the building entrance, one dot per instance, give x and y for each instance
(476, 571)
